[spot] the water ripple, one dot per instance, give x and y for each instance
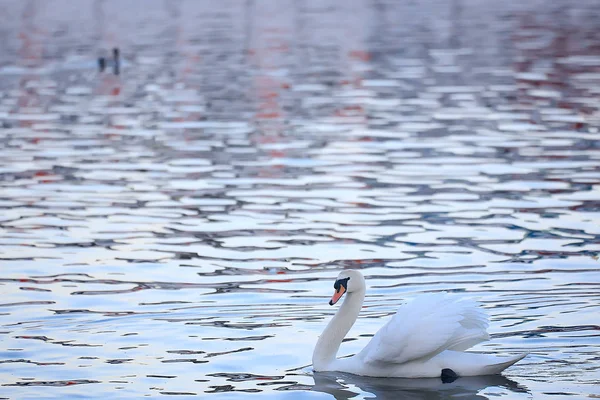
(174, 228)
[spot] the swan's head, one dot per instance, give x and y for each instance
(348, 281)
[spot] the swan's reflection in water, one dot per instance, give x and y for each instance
(344, 386)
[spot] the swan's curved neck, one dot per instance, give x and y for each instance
(331, 338)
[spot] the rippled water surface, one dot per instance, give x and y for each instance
(175, 229)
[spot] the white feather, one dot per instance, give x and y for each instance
(427, 326)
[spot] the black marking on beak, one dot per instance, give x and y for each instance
(338, 285)
(341, 283)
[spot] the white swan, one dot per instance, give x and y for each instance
(424, 337)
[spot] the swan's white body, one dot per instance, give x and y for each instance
(424, 337)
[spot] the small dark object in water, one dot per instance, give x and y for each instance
(101, 64)
(448, 376)
(116, 61)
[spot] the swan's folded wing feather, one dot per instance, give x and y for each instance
(427, 326)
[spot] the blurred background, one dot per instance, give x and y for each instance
(172, 223)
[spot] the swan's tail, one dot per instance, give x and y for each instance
(474, 364)
(501, 363)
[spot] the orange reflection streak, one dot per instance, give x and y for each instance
(560, 76)
(30, 56)
(109, 83)
(269, 51)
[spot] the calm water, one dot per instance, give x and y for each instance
(175, 229)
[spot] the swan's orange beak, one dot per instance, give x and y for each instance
(337, 295)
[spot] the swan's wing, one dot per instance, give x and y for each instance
(427, 326)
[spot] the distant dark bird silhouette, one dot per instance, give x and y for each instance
(101, 64)
(115, 62)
